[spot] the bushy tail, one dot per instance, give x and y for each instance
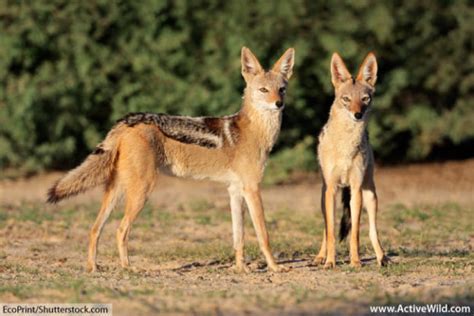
(95, 170)
(346, 214)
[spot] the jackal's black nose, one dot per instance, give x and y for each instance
(279, 104)
(358, 115)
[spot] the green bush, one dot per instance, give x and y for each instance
(69, 69)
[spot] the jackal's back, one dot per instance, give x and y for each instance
(209, 132)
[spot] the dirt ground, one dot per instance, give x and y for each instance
(181, 248)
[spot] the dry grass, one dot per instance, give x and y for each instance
(181, 249)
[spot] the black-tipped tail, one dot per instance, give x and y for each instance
(346, 214)
(94, 171)
(53, 196)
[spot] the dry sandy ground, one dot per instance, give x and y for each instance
(181, 248)
(413, 184)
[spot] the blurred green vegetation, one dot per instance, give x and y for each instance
(69, 69)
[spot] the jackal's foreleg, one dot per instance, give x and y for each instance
(237, 210)
(321, 256)
(356, 205)
(254, 203)
(330, 205)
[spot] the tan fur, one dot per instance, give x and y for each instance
(143, 150)
(346, 158)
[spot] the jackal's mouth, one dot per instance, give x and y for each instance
(270, 106)
(359, 117)
(275, 108)
(280, 108)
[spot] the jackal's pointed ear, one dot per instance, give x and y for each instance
(250, 64)
(368, 70)
(285, 64)
(339, 72)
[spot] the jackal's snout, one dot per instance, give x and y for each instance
(360, 112)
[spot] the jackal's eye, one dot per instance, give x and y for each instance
(366, 99)
(264, 90)
(346, 99)
(282, 90)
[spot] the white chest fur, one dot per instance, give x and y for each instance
(342, 151)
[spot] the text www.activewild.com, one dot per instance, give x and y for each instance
(422, 309)
(51, 309)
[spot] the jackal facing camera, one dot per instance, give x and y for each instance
(347, 161)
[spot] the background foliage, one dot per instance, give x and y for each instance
(69, 69)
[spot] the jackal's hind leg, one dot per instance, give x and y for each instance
(109, 201)
(136, 196)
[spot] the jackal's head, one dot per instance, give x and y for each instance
(354, 95)
(266, 89)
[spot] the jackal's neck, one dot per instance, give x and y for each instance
(263, 125)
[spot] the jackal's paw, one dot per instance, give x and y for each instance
(356, 264)
(384, 261)
(125, 264)
(241, 268)
(329, 265)
(91, 267)
(277, 268)
(133, 269)
(319, 260)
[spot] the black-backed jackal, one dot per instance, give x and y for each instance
(231, 149)
(347, 161)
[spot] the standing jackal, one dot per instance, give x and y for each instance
(231, 149)
(347, 161)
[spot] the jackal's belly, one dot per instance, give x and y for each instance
(193, 172)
